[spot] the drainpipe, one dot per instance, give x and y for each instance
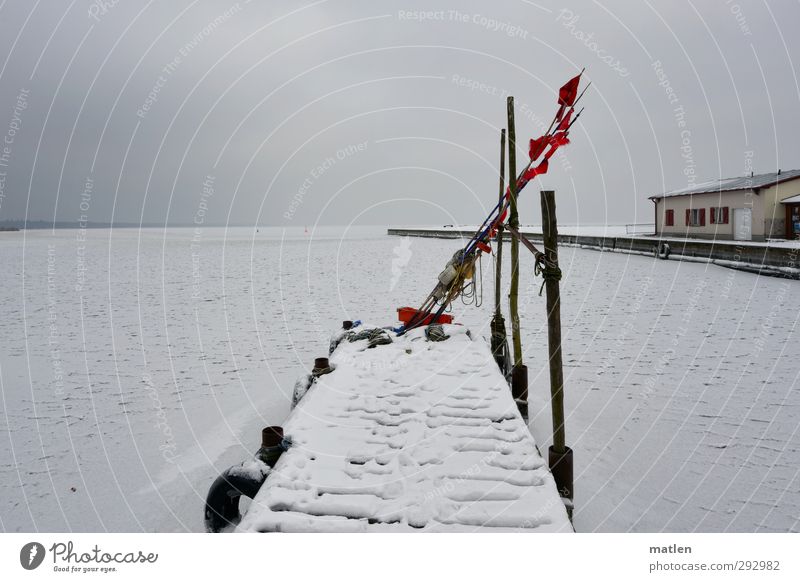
(655, 215)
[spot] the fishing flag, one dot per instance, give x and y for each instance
(537, 147)
(567, 94)
(564, 123)
(559, 139)
(533, 172)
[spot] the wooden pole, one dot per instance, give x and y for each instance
(519, 372)
(551, 285)
(513, 221)
(560, 455)
(499, 239)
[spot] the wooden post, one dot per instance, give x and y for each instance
(551, 285)
(519, 372)
(499, 239)
(560, 455)
(499, 341)
(513, 221)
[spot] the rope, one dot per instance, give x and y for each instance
(435, 333)
(548, 271)
(472, 292)
(375, 336)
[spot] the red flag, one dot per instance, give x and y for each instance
(533, 172)
(537, 147)
(564, 124)
(568, 93)
(558, 140)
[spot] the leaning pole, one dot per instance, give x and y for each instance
(519, 373)
(499, 341)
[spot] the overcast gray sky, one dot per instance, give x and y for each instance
(295, 113)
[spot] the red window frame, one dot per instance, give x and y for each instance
(719, 215)
(701, 217)
(669, 217)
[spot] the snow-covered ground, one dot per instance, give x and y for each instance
(137, 365)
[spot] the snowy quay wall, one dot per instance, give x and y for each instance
(779, 260)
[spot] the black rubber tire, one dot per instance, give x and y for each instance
(222, 502)
(662, 251)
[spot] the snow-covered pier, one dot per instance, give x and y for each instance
(411, 435)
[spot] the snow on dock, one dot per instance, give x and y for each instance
(414, 435)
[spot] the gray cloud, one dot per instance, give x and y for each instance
(381, 112)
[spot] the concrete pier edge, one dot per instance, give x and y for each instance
(760, 258)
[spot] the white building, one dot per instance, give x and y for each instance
(748, 208)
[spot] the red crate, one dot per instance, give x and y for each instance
(405, 314)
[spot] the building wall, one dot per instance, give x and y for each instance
(732, 199)
(774, 211)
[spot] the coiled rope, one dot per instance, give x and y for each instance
(549, 271)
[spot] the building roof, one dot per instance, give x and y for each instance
(728, 184)
(791, 200)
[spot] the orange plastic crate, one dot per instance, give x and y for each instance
(405, 314)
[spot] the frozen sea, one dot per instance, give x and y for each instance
(137, 364)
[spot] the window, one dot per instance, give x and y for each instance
(695, 217)
(669, 218)
(719, 215)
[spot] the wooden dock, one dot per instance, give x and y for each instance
(414, 435)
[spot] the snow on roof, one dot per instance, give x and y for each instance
(791, 200)
(410, 436)
(728, 184)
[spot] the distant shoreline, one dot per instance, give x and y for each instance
(18, 225)
(14, 225)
